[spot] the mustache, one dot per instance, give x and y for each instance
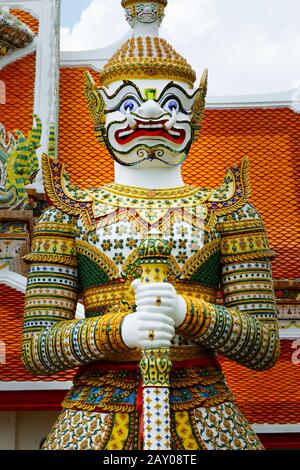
(151, 154)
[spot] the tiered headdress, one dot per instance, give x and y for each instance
(146, 55)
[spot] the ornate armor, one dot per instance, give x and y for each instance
(85, 246)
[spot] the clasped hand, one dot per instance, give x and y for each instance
(159, 310)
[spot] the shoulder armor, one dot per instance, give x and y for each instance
(234, 192)
(232, 195)
(63, 194)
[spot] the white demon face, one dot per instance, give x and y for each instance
(147, 13)
(148, 122)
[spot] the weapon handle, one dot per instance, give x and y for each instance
(155, 367)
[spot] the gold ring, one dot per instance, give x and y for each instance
(158, 301)
(151, 335)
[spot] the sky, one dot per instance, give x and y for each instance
(249, 46)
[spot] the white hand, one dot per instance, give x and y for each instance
(171, 303)
(137, 326)
(149, 317)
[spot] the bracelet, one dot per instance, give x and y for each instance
(110, 338)
(116, 336)
(194, 319)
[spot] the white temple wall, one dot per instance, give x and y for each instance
(25, 430)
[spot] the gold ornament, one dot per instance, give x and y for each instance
(151, 335)
(128, 3)
(147, 58)
(198, 107)
(156, 367)
(96, 105)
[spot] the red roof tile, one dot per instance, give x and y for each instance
(27, 18)
(271, 396)
(19, 78)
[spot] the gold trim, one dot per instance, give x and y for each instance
(116, 440)
(47, 228)
(48, 258)
(68, 404)
(246, 187)
(96, 105)
(240, 225)
(249, 256)
(49, 187)
(130, 260)
(246, 190)
(177, 354)
(50, 191)
(139, 198)
(107, 434)
(151, 335)
(113, 296)
(223, 395)
(87, 378)
(198, 108)
(195, 290)
(142, 193)
(155, 59)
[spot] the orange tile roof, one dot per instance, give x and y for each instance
(270, 137)
(271, 396)
(78, 146)
(11, 315)
(27, 18)
(19, 78)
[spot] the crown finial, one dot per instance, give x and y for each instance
(145, 55)
(145, 16)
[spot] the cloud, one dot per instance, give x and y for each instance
(249, 46)
(101, 24)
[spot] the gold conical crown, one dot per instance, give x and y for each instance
(146, 55)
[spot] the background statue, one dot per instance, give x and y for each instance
(18, 165)
(147, 113)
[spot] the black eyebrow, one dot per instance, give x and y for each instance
(174, 85)
(124, 84)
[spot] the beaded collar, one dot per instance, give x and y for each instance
(129, 196)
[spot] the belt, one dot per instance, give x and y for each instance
(132, 366)
(113, 387)
(177, 354)
(107, 298)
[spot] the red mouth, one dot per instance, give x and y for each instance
(150, 129)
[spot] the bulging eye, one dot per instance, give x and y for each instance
(172, 105)
(129, 105)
